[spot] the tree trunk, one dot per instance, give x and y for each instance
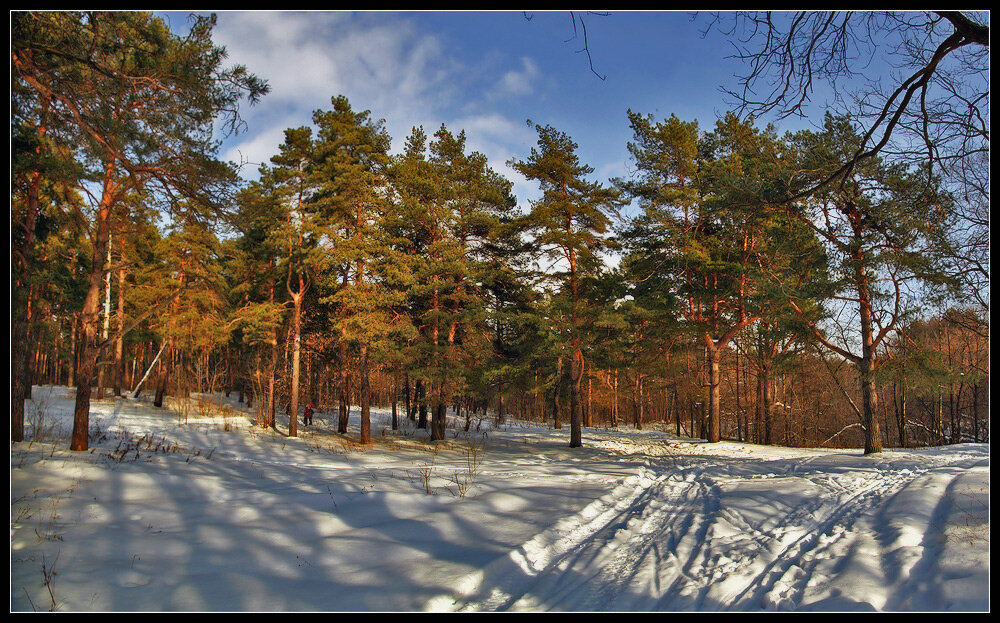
(23, 259)
(421, 397)
(365, 396)
(714, 385)
(29, 378)
(90, 350)
(395, 399)
(739, 403)
(767, 403)
(614, 403)
(501, 414)
(120, 342)
(106, 328)
(344, 406)
(410, 412)
(691, 416)
(955, 413)
(293, 410)
(869, 398)
(901, 412)
(272, 372)
(873, 439)
(975, 412)
(19, 321)
(161, 386)
(575, 417)
(637, 403)
(556, 390)
(439, 419)
(74, 348)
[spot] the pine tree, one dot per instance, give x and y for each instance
(569, 224)
(493, 291)
(883, 226)
(296, 190)
(796, 267)
(416, 186)
(474, 238)
(149, 124)
(350, 171)
(255, 276)
(195, 326)
(707, 233)
(424, 218)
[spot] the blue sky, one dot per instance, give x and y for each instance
(484, 72)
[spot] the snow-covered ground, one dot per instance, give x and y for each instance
(216, 514)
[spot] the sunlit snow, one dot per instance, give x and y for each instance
(216, 514)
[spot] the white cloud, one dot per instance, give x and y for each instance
(519, 82)
(492, 128)
(501, 139)
(381, 63)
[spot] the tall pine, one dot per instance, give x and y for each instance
(569, 225)
(350, 170)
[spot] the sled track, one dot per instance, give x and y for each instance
(787, 575)
(666, 541)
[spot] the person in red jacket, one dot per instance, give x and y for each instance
(307, 417)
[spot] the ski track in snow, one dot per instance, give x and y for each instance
(666, 542)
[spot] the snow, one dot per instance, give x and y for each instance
(216, 514)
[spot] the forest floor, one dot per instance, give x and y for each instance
(194, 508)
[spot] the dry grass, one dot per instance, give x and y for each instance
(42, 428)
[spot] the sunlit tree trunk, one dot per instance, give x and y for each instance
(293, 413)
(90, 350)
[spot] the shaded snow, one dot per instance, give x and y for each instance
(216, 515)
